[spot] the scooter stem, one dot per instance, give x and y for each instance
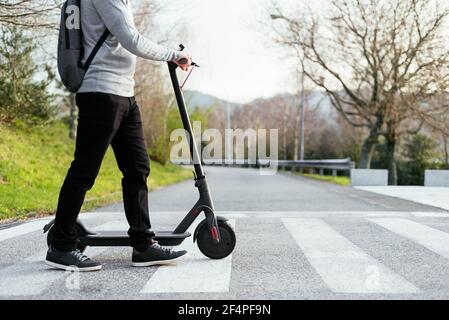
(205, 203)
(186, 121)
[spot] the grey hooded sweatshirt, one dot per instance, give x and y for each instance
(112, 70)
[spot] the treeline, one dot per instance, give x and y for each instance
(329, 136)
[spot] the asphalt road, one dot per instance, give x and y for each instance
(297, 239)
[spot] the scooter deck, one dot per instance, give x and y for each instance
(121, 239)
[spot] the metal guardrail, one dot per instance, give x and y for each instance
(333, 164)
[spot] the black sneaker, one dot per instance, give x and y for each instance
(70, 261)
(156, 255)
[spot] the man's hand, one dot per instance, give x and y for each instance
(184, 60)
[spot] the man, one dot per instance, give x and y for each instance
(109, 115)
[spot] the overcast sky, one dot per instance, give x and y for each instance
(238, 60)
(225, 39)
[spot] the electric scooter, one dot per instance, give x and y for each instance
(215, 237)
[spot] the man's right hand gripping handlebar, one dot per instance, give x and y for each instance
(184, 60)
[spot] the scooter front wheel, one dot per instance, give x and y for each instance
(213, 250)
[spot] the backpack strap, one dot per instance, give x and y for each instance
(94, 52)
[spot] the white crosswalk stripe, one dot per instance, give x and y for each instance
(430, 238)
(20, 230)
(196, 274)
(343, 266)
(282, 214)
(31, 276)
(113, 226)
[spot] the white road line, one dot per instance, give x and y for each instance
(430, 214)
(31, 276)
(117, 225)
(343, 266)
(361, 214)
(26, 279)
(233, 215)
(22, 229)
(195, 274)
(430, 238)
(288, 214)
(115, 214)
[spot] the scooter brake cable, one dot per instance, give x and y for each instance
(187, 78)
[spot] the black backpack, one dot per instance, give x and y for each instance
(70, 46)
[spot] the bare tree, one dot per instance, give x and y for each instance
(377, 60)
(279, 112)
(29, 13)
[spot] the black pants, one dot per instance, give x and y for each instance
(104, 120)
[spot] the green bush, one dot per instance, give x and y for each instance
(22, 98)
(420, 154)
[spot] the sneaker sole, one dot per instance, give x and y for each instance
(158, 263)
(72, 268)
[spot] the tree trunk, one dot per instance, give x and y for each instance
(73, 117)
(446, 150)
(367, 152)
(296, 140)
(370, 144)
(392, 168)
(285, 131)
(297, 129)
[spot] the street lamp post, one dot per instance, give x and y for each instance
(303, 98)
(302, 123)
(229, 139)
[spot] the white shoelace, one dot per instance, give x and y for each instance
(159, 247)
(80, 256)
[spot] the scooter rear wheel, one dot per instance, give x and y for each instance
(214, 250)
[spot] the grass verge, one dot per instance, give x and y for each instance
(343, 181)
(33, 165)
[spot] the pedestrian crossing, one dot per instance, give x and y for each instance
(343, 265)
(200, 274)
(430, 238)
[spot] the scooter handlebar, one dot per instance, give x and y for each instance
(184, 60)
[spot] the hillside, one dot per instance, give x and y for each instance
(202, 100)
(315, 99)
(33, 164)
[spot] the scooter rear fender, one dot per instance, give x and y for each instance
(202, 223)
